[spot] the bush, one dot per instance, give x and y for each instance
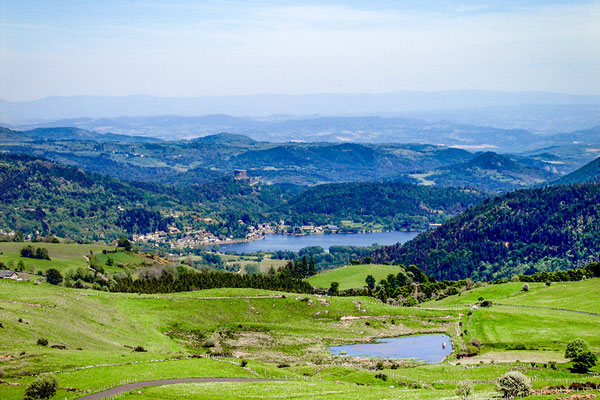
(140, 349)
(381, 376)
(43, 387)
(486, 303)
(53, 276)
(42, 341)
(525, 288)
(584, 361)
(464, 389)
(379, 366)
(514, 383)
(475, 342)
(243, 363)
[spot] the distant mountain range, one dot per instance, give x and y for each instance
(212, 157)
(52, 108)
(355, 129)
(69, 134)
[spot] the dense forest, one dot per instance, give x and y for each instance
(39, 196)
(526, 231)
(398, 206)
(188, 281)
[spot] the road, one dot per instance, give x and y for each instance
(138, 385)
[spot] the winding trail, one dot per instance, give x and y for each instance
(159, 382)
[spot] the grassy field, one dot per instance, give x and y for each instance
(576, 296)
(352, 276)
(282, 335)
(64, 257)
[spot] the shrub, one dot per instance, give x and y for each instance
(486, 303)
(525, 288)
(53, 276)
(43, 387)
(283, 365)
(464, 389)
(381, 376)
(42, 341)
(334, 289)
(243, 363)
(140, 349)
(475, 342)
(379, 366)
(514, 383)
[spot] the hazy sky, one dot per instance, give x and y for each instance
(195, 48)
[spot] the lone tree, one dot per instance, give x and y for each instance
(124, 243)
(43, 387)
(464, 389)
(334, 289)
(514, 383)
(370, 282)
(53, 276)
(582, 357)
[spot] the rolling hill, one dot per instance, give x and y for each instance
(528, 230)
(588, 173)
(41, 196)
(401, 206)
(353, 276)
(70, 134)
(488, 171)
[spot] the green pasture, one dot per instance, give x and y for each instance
(285, 336)
(353, 276)
(65, 257)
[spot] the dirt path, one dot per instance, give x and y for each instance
(138, 385)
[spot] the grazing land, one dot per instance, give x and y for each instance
(283, 336)
(353, 276)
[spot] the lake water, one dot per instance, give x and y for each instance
(423, 347)
(274, 242)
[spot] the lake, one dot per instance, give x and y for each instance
(423, 347)
(274, 242)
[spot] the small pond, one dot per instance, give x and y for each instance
(423, 347)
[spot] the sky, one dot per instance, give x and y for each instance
(184, 48)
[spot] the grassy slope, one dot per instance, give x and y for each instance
(66, 257)
(576, 296)
(353, 276)
(275, 330)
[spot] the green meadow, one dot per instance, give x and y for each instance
(284, 336)
(353, 276)
(65, 257)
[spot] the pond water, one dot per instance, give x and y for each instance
(423, 347)
(274, 242)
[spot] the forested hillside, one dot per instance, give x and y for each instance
(399, 206)
(588, 173)
(525, 231)
(44, 197)
(489, 171)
